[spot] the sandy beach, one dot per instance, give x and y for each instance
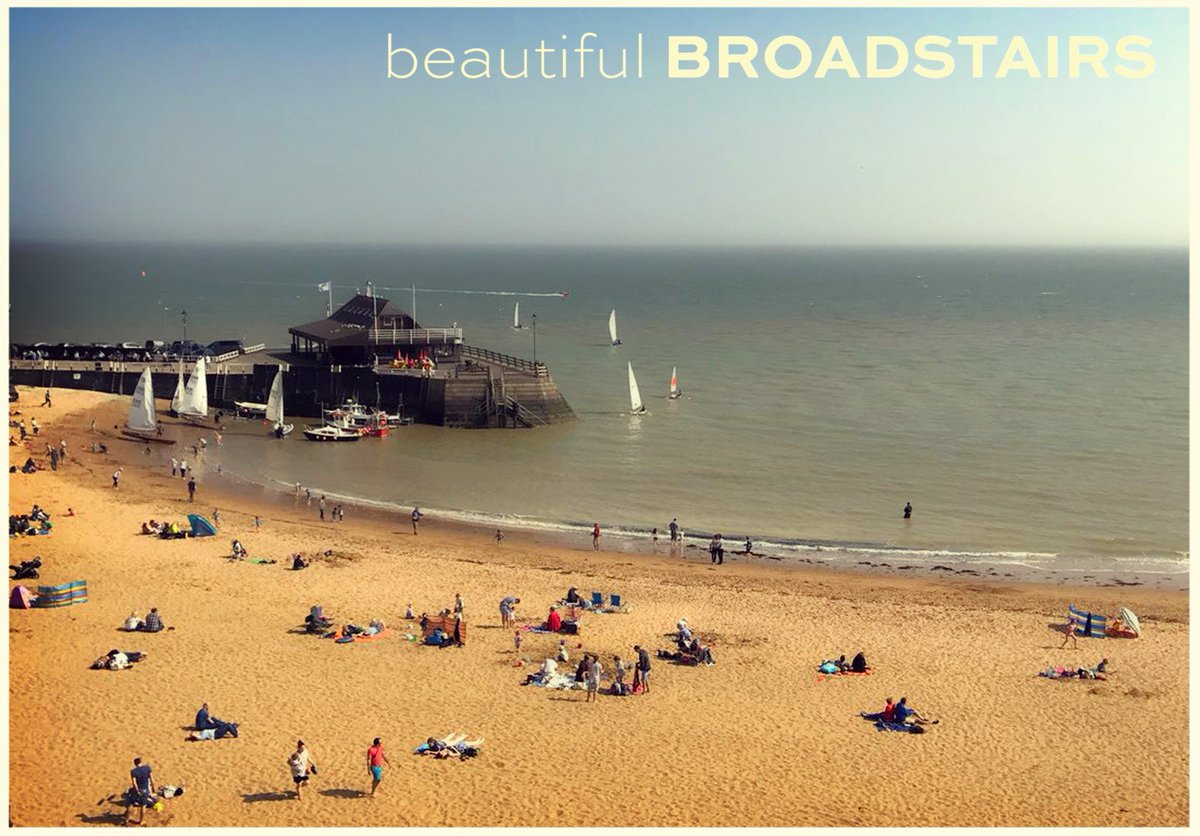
(758, 739)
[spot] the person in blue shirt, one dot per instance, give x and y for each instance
(142, 793)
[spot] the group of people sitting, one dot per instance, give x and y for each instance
(36, 521)
(117, 660)
(26, 569)
(319, 624)
(165, 530)
(208, 727)
(688, 649)
(152, 624)
(316, 621)
(1098, 672)
(898, 713)
(840, 665)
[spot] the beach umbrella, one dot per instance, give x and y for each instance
(1131, 621)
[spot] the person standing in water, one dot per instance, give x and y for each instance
(908, 510)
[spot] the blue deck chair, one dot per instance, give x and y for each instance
(597, 600)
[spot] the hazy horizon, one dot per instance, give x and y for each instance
(280, 126)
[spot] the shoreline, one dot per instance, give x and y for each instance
(471, 526)
(234, 646)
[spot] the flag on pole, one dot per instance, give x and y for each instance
(325, 287)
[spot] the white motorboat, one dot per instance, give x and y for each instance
(331, 433)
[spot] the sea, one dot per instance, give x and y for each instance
(1031, 404)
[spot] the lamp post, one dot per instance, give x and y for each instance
(535, 338)
(183, 348)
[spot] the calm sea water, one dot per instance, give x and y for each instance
(1031, 404)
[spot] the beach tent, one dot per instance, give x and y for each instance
(200, 526)
(20, 599)
(63, 595)
(1088, 624)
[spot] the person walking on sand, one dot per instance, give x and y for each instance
(53, 458)
(302, 766)
(908, 510)
(143, 790)
(257, 523)
(34, 425)
(192, 489)
(174, 466)
(321, 507)
(499, 536)
(117, 478)
(375, 761)
(46, 402)
(62, 450)
(596, 536)
(458, 604)
(416, 518)
(216, 517)
(183, 468)
(1070, 635)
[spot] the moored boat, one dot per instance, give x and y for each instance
(331, 433)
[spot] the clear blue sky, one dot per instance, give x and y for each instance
(280, 125)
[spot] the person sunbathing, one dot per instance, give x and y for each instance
(218, 730)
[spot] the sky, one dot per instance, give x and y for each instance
(280, 125)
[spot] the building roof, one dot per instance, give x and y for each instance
(350, 323)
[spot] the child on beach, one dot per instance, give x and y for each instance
(596, 536)
(517, 640)
(499, 536)
(408, 613)
(257, 523)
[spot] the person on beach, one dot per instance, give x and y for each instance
(34, 424)
(716, 550)
(903, 712)
(908, 510)
(183, 467)
(92, 427)
(192, 489)
(596, 537)
(302, 765)
(619, 672)
(1070, 635)
(408, 613)
(553, 620)
(143, 790)
(507, 605)
(117, 478)
(62, 450)
(307, 496)
(859, 663)
(257, 523)
(216, 517)
(458, 604)
(416, 518)
(174, 466)
(674, 529)
(517, 640)
(499, 536)
(643, 667)
(654, 535)
(375, 761)
(321, 507)
(53, 459)
(593, 679)
(563, 654)
(749, 550)
(46, 402)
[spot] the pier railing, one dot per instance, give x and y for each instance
(470, 352)
(415, 336)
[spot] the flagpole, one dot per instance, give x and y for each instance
(329, 304)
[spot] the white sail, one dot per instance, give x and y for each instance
(195, 396)
(517, 315)
(275, 401)
(635, 396)
(177, 398)
(141, 410)
(612, 326)
(674, 383)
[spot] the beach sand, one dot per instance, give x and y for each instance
(758, 739)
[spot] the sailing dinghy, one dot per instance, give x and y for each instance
(675, 393)
(195, 395)
(612, 327)
(636, 407)
(177, 398)
(274, 412)
(142, 423)
(517, 326)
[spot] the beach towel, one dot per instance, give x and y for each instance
(20, 598)
(823, 676)
(880, 725)
(1088, 624)
(63, 595)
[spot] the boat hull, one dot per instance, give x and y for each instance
(323, 434)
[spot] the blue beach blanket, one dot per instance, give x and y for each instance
(880, 725)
